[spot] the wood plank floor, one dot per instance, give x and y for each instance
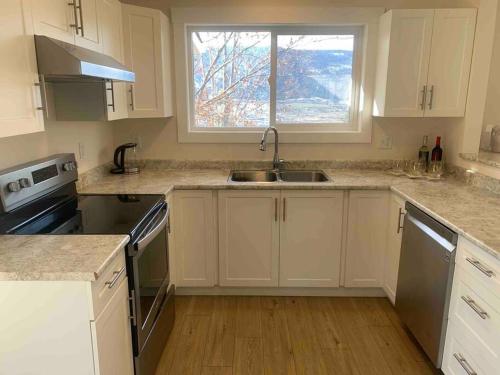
(226, 335)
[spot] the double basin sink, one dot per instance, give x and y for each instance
(269, 176)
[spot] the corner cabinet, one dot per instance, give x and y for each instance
(366, 238)
(424, 62)
(21, 109)
(148, 54)
(393, 249)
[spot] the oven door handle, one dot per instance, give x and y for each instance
(146, 240)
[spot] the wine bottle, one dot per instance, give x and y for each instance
(437, 151)
(423, 152)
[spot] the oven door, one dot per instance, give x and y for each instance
(148, 265)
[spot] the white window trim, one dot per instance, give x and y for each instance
(260, 16)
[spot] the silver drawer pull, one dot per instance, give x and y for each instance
(115, 278)
(465, 365)
(480, 267)
(472, 304)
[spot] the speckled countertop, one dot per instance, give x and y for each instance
(49, 258)
(471, 212)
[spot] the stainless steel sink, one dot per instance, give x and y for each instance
(268, 176)
(253, 176)
(303, 176)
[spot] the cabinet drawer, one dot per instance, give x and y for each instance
(460, 359)
(105, 287)
(483, 266)
(476, 312)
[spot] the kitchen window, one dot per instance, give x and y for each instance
(299, 79)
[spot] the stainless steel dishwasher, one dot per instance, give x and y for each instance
(424, 283)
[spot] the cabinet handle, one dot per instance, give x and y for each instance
(401, 213)
(473, 305)
(465, 365)
(133, 317)
(111, 283)
(275, 209)
(480, 267)
(75, 25)
(112, 89)
(431, 100)
(424, 97)
(131, 90)
(43, 94)
(80, 10)
(284, 209)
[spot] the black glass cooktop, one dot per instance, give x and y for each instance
(68, 213)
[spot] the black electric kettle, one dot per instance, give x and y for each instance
(126, 161)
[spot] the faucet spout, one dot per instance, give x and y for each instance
(276, 160)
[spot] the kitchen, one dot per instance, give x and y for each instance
(263, 188)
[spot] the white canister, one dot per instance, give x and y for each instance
(495, 139)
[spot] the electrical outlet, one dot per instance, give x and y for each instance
(385, 142)
(81, 151)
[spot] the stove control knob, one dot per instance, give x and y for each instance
(14, 186)
(69, 166)
(25, 183)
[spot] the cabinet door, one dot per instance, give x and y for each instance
(366, 238)
(249, 238)
(147, 46)
(450, 63)
(116, 101)
(112, 337)
(55, 19)
(394, 237)
(408, 61)
(194, 227)
(310, 238)
(111, 29)
(19, 113)
(89, 34)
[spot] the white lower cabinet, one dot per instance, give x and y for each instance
(193, 227)
(366, 238)
(473, 337)
(393, 249)
(112, 336)
(249, 238)
(310, 238)
(67, 327)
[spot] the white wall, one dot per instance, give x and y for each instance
(97, 138)
(159, 136)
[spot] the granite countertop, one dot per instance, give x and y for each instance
(63, 258)
(470, 211)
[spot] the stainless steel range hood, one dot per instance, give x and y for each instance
(60, 61)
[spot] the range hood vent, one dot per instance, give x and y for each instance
(60, 61)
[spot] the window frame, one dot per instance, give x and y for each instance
(275, 31)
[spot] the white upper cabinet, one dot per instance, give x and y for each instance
(88, 33)
(111, 29)
(55, 19)
(310, 238)
(366, 238)
(20, 107)
(451, 56)
(249, 238)
(73, 21)
(147, 53)
(424, 62)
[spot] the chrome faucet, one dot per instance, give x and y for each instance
(277, 162)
